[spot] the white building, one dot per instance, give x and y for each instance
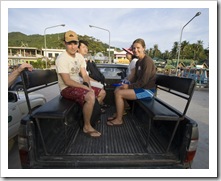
(120, 57)
(52, 54)
(18, 55)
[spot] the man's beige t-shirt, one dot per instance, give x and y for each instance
(69, 65)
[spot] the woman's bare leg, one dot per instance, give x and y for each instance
(120, 95)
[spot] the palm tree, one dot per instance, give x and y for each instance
(183, 44)
(188, 52)
(150, 52)
(174, 50)
(166, 55)
(156, 51)
(199, 49)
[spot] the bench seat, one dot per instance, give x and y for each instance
(57, 108)
(157, 110)
(59, 111)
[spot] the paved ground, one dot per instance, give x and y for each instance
(198, 111)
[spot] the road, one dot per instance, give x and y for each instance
(198, 111)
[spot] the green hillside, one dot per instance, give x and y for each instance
(190, 52)
(53, 41)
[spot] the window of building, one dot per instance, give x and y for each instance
(56, 55)
(50, 55)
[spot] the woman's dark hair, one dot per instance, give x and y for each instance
(82, 42)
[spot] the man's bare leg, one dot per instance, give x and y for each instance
(87, 112)
(101, 96)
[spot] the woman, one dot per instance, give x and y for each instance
(142, 82)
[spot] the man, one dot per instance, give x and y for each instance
(83, 50)
(69, 65)
(12, 76)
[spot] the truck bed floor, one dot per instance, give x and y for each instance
(129, 138)
(117, 147)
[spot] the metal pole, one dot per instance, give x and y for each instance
(45, 53)
(91, 26)
(179, 46)
(45, 40)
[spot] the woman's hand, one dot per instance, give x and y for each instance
(124, 86)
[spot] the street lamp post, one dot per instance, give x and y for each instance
(91, 26)
(179, 46)
(45, 39)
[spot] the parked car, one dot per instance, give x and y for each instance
(17, 109)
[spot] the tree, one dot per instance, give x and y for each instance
(206, 51)
(156, 51)
(150, 52)
(174, 50)
(39, 64)
(188, 51)
(183, 44)
(199, 51)
(166, 55)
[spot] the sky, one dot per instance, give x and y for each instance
(161, 26)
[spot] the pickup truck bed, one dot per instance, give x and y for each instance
(51, 137)
(119, 146)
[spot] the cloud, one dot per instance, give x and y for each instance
(160, 26)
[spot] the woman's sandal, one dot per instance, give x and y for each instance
(114, 116)
(110, 123)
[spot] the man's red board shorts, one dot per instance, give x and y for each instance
(77, 94)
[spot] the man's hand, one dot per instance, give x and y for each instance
(23, 66)
(16, 72)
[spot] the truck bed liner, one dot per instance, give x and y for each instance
(118, 146)
(129, 138)
(125, 139)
